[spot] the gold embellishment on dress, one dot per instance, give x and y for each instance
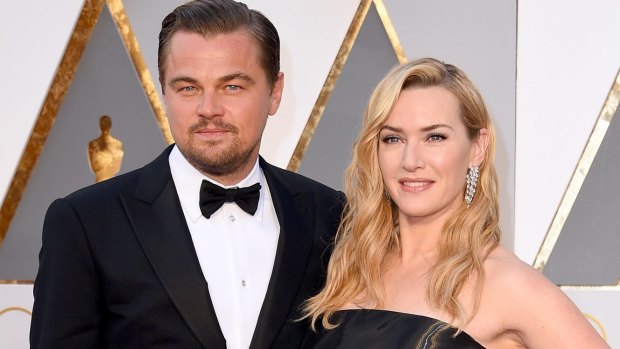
(105, 153)
(429, 338)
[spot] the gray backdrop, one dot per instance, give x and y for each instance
(586, 252)
(105, 83)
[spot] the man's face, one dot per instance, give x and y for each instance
(218, 98)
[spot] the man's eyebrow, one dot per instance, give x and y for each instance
(182, 78)
(240, 76)
(223, 79)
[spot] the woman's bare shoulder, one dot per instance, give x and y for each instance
(532, 306)
(502, 265)
(518, 284)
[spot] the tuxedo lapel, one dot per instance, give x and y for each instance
(294, 247)
(158, 221)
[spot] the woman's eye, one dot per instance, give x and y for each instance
(390, 139)
(436, 137)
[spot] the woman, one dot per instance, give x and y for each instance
(417, 260)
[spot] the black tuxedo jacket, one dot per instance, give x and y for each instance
(118, 267)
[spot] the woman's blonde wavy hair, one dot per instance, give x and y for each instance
(369, 230)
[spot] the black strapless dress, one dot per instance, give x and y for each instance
(382, 329)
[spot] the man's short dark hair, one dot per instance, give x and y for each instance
(211, 17)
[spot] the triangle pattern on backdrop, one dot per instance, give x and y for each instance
(582, 249)
(371, 56)
(105, 83)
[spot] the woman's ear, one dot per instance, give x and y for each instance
(479, 147)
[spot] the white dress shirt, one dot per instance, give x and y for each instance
(236, 250)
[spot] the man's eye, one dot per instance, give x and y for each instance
(233, 87)
(187, 89)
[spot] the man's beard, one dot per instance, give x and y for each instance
(227, 161)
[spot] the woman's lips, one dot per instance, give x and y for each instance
(415, 185)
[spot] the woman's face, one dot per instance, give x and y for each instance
(424, 153)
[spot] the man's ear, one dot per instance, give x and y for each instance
(276, 94)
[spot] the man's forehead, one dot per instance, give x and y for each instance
(240, 36)
(225, 54)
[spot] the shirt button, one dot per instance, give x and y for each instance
(232, 218)
(243, 283)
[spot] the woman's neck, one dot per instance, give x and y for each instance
(419, 238)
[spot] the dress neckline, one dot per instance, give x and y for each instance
(400, 313)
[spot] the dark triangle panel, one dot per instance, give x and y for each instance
(587, 250)
(371, 56)
(105, 83)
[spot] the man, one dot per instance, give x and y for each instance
(152, 258)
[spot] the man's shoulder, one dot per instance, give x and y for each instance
(126, 182)
(149, 175)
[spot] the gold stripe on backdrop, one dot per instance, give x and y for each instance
(16, 282)
(598, 323)
(117, 10)
(328, 86)
(59, 86)
(390, 31)
(591, 317)
(580, 174)
(18, 309)
(591, 288)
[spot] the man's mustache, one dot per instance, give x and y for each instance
(215, 123)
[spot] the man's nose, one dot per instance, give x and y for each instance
(210, 105)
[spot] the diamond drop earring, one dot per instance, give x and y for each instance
(472, 182)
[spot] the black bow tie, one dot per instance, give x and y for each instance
(212, 197)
